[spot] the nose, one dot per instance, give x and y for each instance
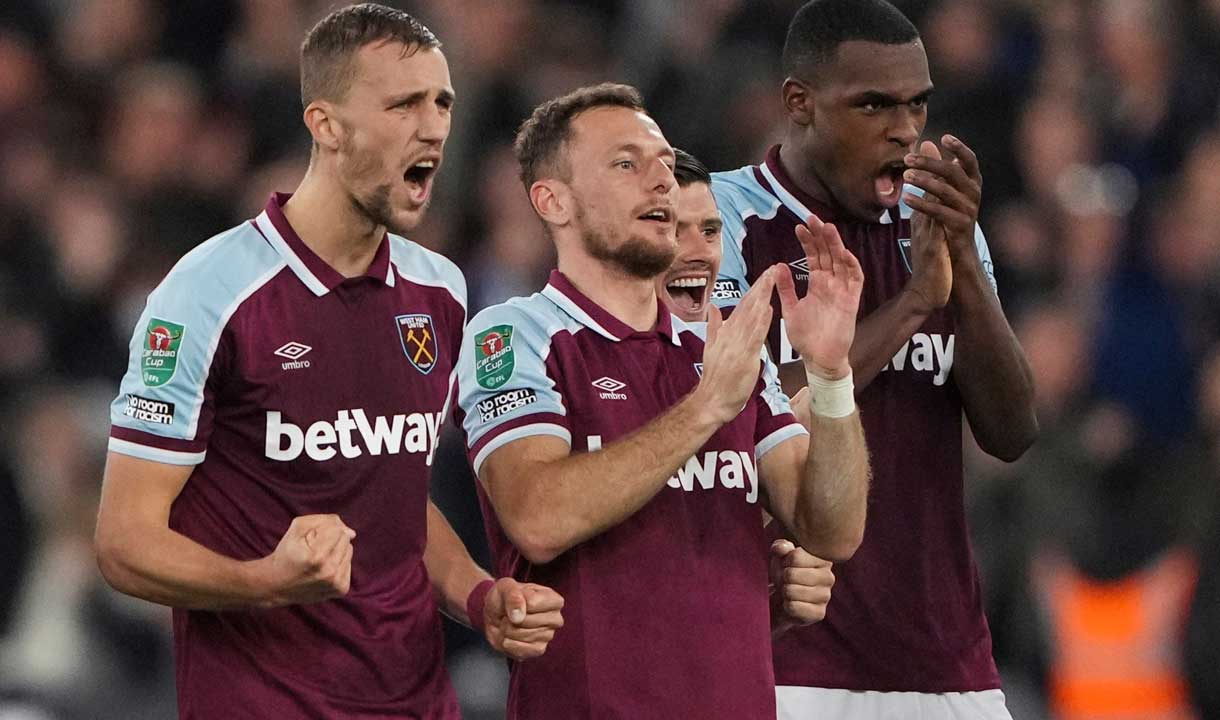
(694, 245)
(907, 126)
(434, 124)
(661, 178)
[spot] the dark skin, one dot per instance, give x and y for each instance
(865, 112)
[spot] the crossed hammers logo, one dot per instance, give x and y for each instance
(421, 346)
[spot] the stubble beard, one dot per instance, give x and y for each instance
(635, 256)
(374, 205)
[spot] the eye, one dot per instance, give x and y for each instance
(919, 103)
(625, 164)
(872, 108)
(709, 232)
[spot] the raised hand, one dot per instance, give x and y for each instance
(312, 562)
(800, 585)
(953, 190)
(733, 350)
(822, 325)
(519, 619)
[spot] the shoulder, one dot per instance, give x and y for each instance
(212, 279)
(531, 320)
(416, 263)
(740, 193)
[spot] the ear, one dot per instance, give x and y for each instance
(798, 101)
(552, 200)
(320, 119)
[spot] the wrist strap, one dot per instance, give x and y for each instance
(475, 602)
(832, 398)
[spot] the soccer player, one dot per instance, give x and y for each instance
(800, 582)
(272, 440)
(932, 342)
(623, 460)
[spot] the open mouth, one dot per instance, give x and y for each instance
(688, 295)
(419, 176)
(888, 183)
(660, 214)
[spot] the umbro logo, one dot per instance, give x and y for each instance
(800, 266)
(293, 352)
(610, 388)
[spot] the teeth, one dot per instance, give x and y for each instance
(426, 164)
(689, 282)
(655, 215)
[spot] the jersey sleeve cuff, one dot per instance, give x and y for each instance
(778, 436)
(156, 448)
(518, 428)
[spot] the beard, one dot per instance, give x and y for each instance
(635, 256)
(373, 203)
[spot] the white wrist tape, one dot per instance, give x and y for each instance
(832, 398)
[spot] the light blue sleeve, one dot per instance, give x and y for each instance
(731, 282)
(980, 242)
(159, 414)
(504, 390)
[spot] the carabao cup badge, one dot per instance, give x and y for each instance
(493, 353)
(418, 337)
(159, 359)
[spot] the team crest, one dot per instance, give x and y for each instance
(159, 359)
(418, 338)
(904, 249)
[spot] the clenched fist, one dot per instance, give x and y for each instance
(312, 562)
(519, 619)
(800, 585)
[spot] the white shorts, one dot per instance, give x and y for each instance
(806, 703)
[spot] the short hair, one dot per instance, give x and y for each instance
(541, 138)
(688, 170)
(329, 51)
(820, 26)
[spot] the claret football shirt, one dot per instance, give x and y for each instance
(666, 614)
(907, 612)
(292, 391)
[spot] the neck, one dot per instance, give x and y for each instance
(626, 297)
(330, 225)
(798, 168)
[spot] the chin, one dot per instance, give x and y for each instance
(406, 220)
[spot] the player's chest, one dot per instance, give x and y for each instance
(375, 352)
(609, 396)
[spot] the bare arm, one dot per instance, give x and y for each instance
(543, 495)
(990, 368)
(818, 485)
(882, 333)
(140, 555)
(519, 619)
(452, 571)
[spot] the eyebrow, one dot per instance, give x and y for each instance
(638, 150)
(446, 95)
(883, 98)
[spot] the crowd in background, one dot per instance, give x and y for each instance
(132, 130)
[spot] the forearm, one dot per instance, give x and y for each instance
(454, 574)
(832, 499)
(990, 368)
(880, 335)
(549, 506)
(160, 565)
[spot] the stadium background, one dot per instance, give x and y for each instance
(131, 130)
